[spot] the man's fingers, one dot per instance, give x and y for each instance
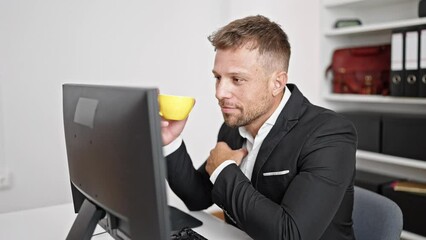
(221, 145)
(240, 154)
(243, 152)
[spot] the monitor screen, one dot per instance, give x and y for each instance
(115, 161)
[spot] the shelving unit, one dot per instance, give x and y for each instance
(400, 161)
(352, 3)
(403, 168)
(379, 27)
(375, 99)
(409, 235)
(379, 18)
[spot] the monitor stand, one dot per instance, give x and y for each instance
(85, 223)
(121, 230)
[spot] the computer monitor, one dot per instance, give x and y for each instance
(116, 166)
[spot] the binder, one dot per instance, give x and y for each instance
(411, 63)
(397, 63)
(422, 63)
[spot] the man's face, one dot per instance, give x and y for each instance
(243, 88)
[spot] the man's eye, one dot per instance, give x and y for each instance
(217, 78)
(238, 80)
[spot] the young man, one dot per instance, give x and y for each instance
(282, 167)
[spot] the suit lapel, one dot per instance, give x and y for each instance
(237, 141)
(287, 119)
(231, 136)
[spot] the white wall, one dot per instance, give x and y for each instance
(44, 44)
(2, 161)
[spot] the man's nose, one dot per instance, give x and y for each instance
(223, 89)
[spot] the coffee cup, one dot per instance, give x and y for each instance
(175, 107)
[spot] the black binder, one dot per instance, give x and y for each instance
(411, 63)
(397, 63)
(413, 207)
(404, 135)
(422, 62)
(368, 127)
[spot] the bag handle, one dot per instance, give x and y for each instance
(328, 70)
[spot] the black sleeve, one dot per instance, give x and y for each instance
(191, 185)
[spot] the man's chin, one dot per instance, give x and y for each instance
(231, 122)
(231, 125)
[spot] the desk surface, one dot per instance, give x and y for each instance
(54, 223)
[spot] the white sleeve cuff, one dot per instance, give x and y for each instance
(173, 146)
(219, 169)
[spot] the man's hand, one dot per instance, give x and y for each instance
(222, 152)
(170, 130)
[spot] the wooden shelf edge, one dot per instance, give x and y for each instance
(378, 157)
(373, 99)
(375, 27)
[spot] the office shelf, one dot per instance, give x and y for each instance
(400, 161)
(377, 27)
(411, 236)
(357, 3)
(339, 3)
(374, 99)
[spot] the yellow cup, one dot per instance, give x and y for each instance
(175, 107)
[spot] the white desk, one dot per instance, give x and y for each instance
(53, 223)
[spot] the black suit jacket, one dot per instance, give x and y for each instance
(314, 200)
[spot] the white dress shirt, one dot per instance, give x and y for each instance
(251, 144)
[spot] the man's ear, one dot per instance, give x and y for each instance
(279, 81)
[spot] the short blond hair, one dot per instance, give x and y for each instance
(257, 32)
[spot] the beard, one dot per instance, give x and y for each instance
(247, 114)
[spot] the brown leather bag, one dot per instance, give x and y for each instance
(361, 70)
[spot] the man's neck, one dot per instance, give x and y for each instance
(254, 127)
